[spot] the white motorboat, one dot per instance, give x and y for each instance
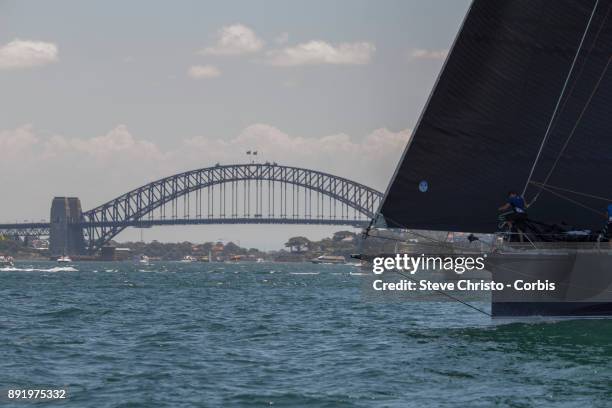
(6, 261)
(64, 259)
(143, 260)
(329, 259)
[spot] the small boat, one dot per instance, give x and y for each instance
(329, 259)
(142, 260)
(6, 261)
(64, 259)
(189, 259)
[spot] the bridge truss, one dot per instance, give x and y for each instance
(237, 194)
(26, 229)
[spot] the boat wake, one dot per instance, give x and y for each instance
(56, 269)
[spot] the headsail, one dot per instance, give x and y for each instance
(517, 68)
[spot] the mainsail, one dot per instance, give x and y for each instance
(524, 101)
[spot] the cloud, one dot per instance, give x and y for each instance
(120, 161)
(235, 39)
(59, 165)
(370, 160)
(119, 141)
(321, 52)
(282, 38)
(203, 71)
(420, 53)
(15, 142)
(27, 54)
(25, 142)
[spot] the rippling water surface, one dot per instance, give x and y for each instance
(285, 335)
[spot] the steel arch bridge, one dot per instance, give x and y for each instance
(235, 194)
(253, 193)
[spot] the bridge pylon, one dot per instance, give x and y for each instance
(66, 232)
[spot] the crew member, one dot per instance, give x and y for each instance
(519, 209)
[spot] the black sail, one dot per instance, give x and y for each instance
(514, 64)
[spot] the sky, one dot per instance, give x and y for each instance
(98, 98)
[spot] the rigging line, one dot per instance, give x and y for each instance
(366, 232)
(569, 137)
(554, 114)
(572, 201)
(448, 295)
(586, 58)
(537, 183)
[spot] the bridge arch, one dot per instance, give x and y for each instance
(137, 207)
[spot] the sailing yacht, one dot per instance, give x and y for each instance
(522, 102)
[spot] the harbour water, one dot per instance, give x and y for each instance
(283, 335)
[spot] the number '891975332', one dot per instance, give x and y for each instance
(36, 394)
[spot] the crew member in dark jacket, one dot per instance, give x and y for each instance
(519, 209)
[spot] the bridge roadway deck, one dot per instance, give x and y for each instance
(39, 226)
